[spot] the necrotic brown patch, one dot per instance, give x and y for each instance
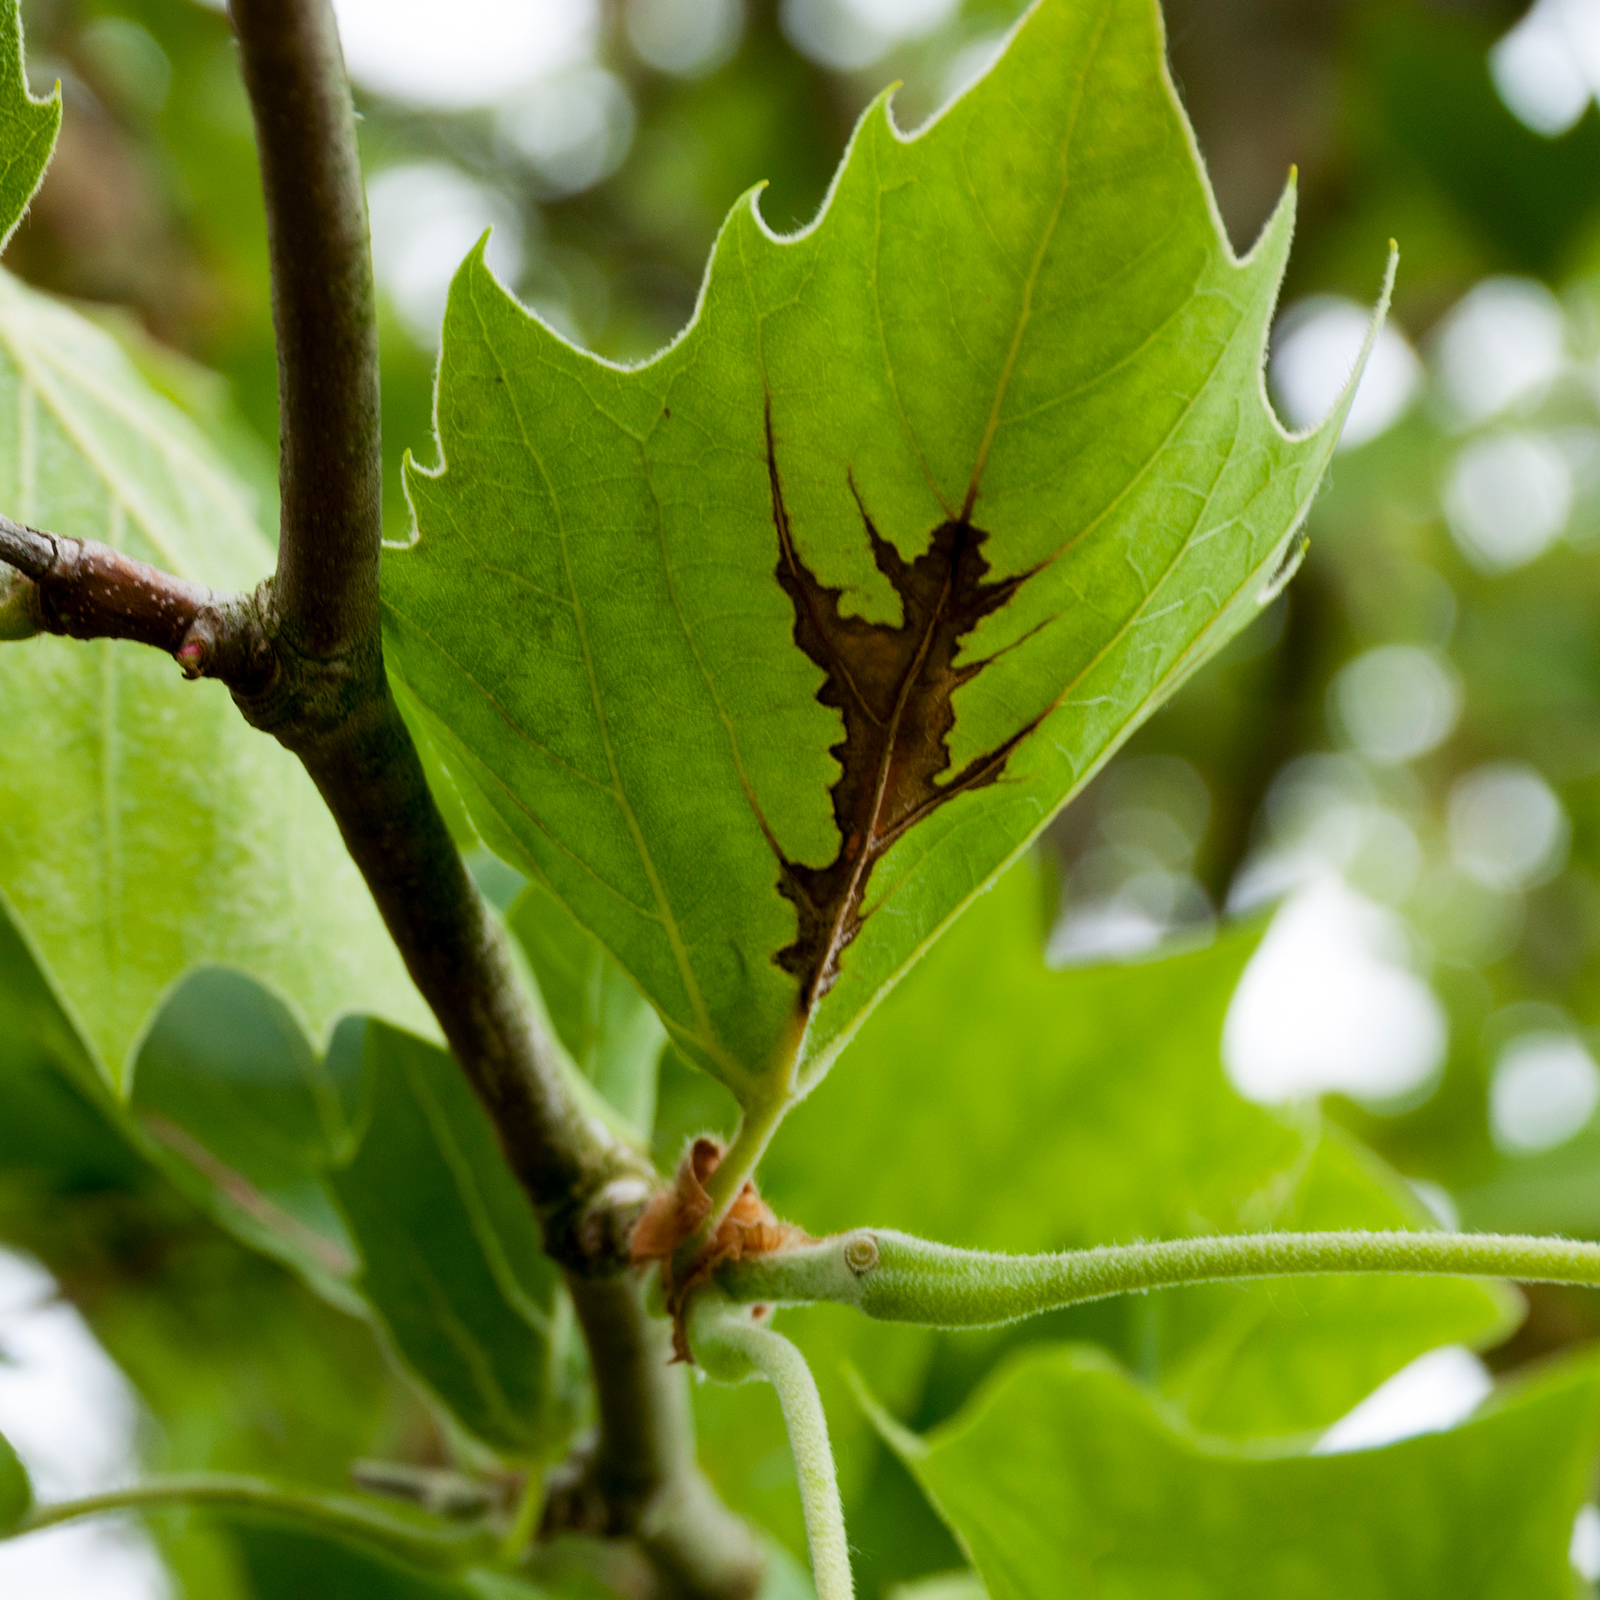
(893, 687)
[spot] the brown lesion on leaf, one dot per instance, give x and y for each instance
(893, 685)
(676, 1213)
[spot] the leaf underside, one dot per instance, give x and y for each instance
(765, 656)
(144, 828)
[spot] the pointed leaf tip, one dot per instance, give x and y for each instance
(28, 125)
(721, 569)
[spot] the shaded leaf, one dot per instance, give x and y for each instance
(946, 1586)
(451, 1253)
(608, 1027)
(288, 1565)
(766, 655)
(373, 1171)
(249, 1118)
(1063, 1479)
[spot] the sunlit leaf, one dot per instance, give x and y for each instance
(144, 828)
(765, 656)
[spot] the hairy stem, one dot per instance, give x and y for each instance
(437, 1547)
(895, 1278)
(735, 1348)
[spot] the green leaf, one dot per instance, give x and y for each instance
(1003, 1106)
(608, 1027)
(765, 656)
(945, 1586)
(144, 827)
(16, 1492)
(285, 1564)
(247, 1118)
(452, 1256)
(374, 1172)
(1101, 1114)
(28, 126)
(1062, 1479)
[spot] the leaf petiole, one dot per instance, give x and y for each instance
(756, 1129)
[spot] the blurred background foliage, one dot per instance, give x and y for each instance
(1402, 756)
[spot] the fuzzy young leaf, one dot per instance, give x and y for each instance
(1061, 1478)
(766, 655)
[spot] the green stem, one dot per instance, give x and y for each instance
(437, 1548)
(896, 1278)
(756, 1128)
(734, 1349)
(530, 1508)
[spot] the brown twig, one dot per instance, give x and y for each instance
(86, 590)
(328, 698)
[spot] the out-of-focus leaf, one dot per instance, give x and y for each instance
(451, 1253)
(959, 483)
(16, 1492)
(247, 1079)
(608, 1027)
(945, 1586)
(1431, 108)
(250, 1118)
(375, 1173)
(285, 1565)
(1063, 1479)
(144, 827)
